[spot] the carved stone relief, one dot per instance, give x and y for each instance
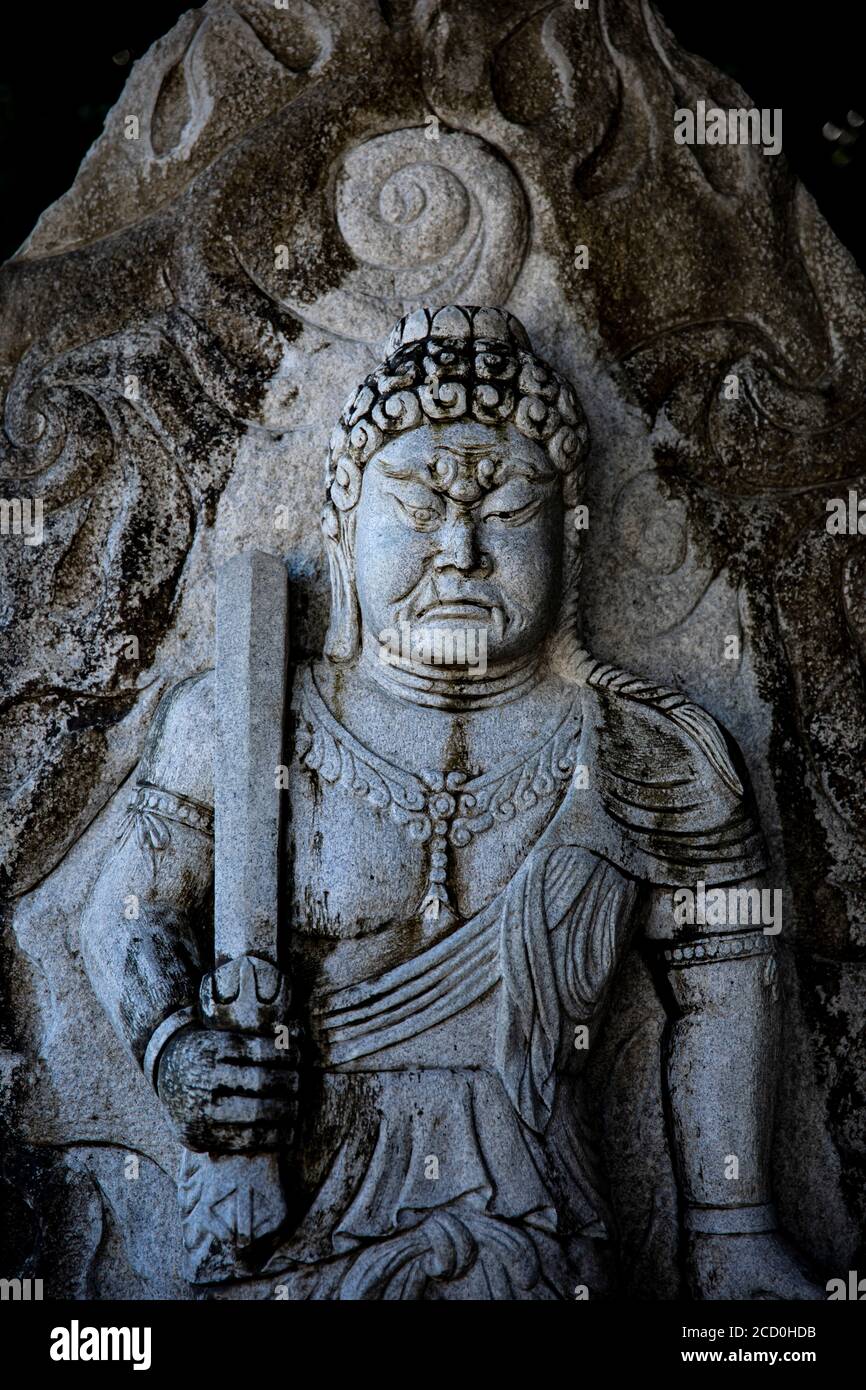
(181, 331)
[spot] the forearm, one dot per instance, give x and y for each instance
(142, 971)
(721, 1071)
(140, 934)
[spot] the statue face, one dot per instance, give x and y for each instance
(459, 525)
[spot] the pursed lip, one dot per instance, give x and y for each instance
(456, 608)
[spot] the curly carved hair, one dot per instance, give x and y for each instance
(451, 364)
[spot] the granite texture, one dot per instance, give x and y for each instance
(180, 333)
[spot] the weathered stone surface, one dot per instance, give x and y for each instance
(180, 332)
(251, 663)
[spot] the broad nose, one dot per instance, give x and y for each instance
(459, 548)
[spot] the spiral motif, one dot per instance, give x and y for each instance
(414, 216)
(427, 221)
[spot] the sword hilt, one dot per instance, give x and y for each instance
(249, 994)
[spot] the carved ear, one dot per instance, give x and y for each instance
(572, 488)
(343, 638)
(565, 640)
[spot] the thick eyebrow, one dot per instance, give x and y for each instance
(411, 469)
(521, 466)
(508, 464)
(470, 448)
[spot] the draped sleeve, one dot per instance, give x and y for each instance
(659, 796)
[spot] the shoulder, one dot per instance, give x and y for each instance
(184, 704)
(178, 754)
(659, 736)
(667, 776)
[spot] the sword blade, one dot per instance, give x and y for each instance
(251, 661)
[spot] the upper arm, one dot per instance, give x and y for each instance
(716, 945)
(164, 851)
(179, 750)
(140, 933)
(711, 910)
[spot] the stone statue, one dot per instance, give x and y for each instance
(482, 820)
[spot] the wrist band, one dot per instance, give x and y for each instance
(160, 1037)
(731, 1221)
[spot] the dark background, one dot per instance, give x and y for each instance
(64, 65)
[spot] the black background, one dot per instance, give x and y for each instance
(62, 66)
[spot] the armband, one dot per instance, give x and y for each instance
(722, 947)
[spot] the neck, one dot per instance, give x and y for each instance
(449, 687)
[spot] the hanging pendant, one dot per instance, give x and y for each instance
(436, 907)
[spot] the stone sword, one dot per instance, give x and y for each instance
(232, 1201)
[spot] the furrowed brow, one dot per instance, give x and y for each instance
(403, 469)
(522, 467)
(473, 449)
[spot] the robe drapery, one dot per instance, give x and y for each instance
(442, 1180)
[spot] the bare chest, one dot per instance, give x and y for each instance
(389, 856)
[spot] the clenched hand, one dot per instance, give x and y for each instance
(228, 1092)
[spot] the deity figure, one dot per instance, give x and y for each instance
(480, 828)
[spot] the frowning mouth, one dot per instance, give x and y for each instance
(463, 609)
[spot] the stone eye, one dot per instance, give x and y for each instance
(514, 516)
(422, 518)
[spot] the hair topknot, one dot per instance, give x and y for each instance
(449, 364)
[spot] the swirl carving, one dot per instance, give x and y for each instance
(427, 220)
